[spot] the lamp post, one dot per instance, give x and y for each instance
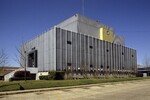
(25, 66)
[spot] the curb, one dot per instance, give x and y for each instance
(58, 88)
(50, 89)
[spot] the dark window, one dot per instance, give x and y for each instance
(101, 66)
(107, 50)
(33, 48)
(32, 59)
(68, 42)
(91, 47)
(91, 65)
(107, 67)
(122, 53)
(68, 64)
(24, 51)
(132, 56)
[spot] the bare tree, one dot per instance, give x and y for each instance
(22, 56)
(146, 61)
(3, 58)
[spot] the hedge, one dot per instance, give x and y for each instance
(59, 75)
(22, 74)
(44, 77)
(19, 78)
(53, 75)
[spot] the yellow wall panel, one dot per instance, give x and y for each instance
(106, 34)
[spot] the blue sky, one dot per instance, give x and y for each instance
(25, 19)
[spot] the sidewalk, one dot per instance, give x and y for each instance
(49, 89)
(59, 88)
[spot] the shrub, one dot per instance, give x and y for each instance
(19, 78)
(53, 75)
(44, 77)
(22, 74)
(139, 74)
(59, 75)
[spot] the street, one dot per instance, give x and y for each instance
(133, 90)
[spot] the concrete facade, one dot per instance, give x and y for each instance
(74, 46)
(81, 24)
(45, 44)
(77, 53)
(84, 25)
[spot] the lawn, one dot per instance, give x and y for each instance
(36, 84)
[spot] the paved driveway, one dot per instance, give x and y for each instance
(135, 90)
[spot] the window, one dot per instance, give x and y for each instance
(107, 67)
(33, 48)
(91, 47)
(68, 64)
(107, 50)
(101, 67)
(32, 59)
(122, 53)
(68, 42)
(91, 65)
(132, 56)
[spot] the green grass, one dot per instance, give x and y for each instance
(33, 84)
